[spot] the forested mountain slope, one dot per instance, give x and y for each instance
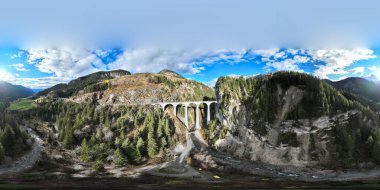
(289, 118)
(115, 124)
(360, 89)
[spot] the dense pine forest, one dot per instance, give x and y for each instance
(130, 134)
(13, 141)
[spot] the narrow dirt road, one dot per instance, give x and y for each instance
(28, 160)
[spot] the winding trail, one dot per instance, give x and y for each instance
(26, 161)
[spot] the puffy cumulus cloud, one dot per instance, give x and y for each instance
(289, 64)
(188, 62)
(327, 61)
(65, 62)
(20, 67)
(335, 61)
(285, 59)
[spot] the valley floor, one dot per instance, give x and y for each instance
(241, 174)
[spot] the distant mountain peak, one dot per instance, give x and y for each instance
(359, 86)
(10, 91)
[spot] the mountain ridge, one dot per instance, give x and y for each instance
(11, 92)
(365, 91)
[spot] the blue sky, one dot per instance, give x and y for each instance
(45, 42)
(44, 67)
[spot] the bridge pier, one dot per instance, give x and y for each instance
(197, 126)
(186, 115)
(208, 112)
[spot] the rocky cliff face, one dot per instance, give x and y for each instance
(284, 119)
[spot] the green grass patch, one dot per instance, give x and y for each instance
(22, 104)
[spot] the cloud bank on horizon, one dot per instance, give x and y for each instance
(43, 43)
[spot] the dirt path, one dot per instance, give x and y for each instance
(26, 161)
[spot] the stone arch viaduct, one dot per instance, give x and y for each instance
(187, 105)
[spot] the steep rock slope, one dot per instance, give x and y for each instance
(289, 118)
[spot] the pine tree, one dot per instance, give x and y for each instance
(7, 138)
(376, 151)
(2, 153)
(140, 145)
(152, 145)
(168, 131)
(69, 137)
(84, 151)
(119, 158)
(163, 142)
(160, 128)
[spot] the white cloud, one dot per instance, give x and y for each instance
(337, 60)
(211, 83)
(20, 67)
(65, 62)
(234, 76)
(17, 55)
(358, 70)
(34, 83)
(5, 76)
(373, 68)
(290, 64)
(342, 77)
(288, 59)
(190, 62)
(266, 52)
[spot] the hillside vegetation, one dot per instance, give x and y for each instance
(290, 118)
(129, 134)
(13, 141)
(110, 121)
(90, 81)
